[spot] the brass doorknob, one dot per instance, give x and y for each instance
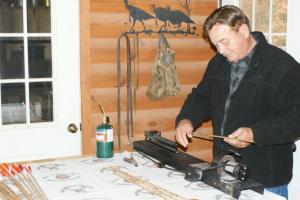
(72, 128)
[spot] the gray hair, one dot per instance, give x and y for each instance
(228, 15)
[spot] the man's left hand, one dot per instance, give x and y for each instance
(241, 134)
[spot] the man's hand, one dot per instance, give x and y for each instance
(242, 133)
(184, 129)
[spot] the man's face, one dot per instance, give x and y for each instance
(232, 44)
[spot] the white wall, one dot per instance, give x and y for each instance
(293, 47)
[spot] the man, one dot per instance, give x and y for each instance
(251, 92)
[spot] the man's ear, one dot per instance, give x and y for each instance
(244, 29)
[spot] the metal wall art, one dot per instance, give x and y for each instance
(171, 20)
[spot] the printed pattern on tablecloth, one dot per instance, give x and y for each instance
(91, 178)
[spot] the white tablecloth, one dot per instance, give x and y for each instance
(91, 179)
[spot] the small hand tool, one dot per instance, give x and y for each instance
(131, 160)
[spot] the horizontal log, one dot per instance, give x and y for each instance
(104, 69)
(108, 97)
(105, 75)
(148, 43)
(188, 54)
(186, 49)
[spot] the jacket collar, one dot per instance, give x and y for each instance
(258, 53)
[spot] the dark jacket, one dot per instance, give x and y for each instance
(267, 101)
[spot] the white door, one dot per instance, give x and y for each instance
(40, 79)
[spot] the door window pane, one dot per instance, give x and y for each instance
(41, 102)
(11, 58)
(279, 16)
(40, 59)
(38, 16)
(11, 16)
(262, 15)
(247, 7)
(13, 103)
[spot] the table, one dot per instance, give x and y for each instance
(90, 178)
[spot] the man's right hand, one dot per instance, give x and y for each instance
(184, 129)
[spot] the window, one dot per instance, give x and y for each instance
(25, 62)
(269, 17)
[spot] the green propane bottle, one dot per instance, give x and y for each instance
(104, 139)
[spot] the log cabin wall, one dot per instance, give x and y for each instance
(102, 22)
